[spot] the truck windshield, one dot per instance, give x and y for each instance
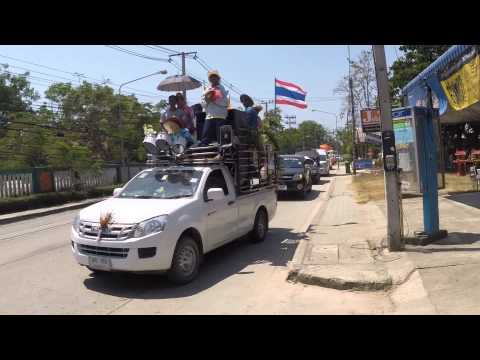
(290, 163)
(322, 157)
(163, 184)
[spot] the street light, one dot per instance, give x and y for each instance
(120, 121)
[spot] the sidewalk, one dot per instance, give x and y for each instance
(341, 247)
(344, 249)
(29, 214)
(449, 267)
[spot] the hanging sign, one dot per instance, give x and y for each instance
(370, 120)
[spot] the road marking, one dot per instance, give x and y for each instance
(31, 231)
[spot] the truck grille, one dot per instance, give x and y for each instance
(103, 251)
(286, 177)
(90, 230)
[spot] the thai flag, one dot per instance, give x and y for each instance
(290, 94)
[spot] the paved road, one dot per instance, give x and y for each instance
(39, 276)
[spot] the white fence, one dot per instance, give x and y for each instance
(15, 184)
(65, 180)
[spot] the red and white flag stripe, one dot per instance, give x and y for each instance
(289, 101)
(290, 86)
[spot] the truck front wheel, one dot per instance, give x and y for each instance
(185, 262)
(260, 227)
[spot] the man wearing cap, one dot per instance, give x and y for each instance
(215, 103)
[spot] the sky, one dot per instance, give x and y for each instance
(251, 69)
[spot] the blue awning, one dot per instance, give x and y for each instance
(415, 91)
(450, 55)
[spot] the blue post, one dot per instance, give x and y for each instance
(429, 175)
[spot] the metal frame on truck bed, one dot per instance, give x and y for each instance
(253, 166)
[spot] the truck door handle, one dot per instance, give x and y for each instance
(231, 202)
(212, 212)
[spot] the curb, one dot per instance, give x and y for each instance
(350, 280)
(49, 211)
(388, 270)
(296, 262)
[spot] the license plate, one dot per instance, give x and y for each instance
(100, 263)
(282, 187)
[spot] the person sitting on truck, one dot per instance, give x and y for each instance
(215, 103)
(172, 111)
(187, 115)
(176, 133)
(252, 111)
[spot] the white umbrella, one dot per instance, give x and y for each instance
(179, 83)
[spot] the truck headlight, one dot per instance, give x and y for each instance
(150, 226)
(298, 176)
(76, 223)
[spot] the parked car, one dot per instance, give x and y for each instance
(294, 175)
(166, 218)
(323, 162)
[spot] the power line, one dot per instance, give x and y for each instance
(138, 92)
(68, 72)
(134, 53)
(161, 49)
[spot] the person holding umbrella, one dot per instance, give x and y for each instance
(215, 103)
(187, 113)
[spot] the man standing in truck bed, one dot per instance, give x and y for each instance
(215, 103)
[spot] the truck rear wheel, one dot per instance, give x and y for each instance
(185, 262)
(260, 227)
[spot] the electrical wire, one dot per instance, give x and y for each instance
(160, 49)
(134, 53)
(75, 74)
(50, 82)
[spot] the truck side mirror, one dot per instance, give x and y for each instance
(117, 191)
(215, 194)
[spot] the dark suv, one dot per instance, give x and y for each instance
(294, 175)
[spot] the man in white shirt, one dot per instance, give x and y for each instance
(215, 103)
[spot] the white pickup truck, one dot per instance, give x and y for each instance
(165, 219)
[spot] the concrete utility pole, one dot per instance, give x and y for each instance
(392, 181)
(354, 135)
(291, 119)
(266, 102)
(184, 72)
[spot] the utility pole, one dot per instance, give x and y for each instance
(392, 182)
(266, 102)
(184, 71)
(291, 119)
(350, 83)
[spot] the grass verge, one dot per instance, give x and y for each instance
(370, 186)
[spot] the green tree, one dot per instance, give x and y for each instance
(344, 138)
(272, 127)
(92, 112)
(312, 134)
(414, 60)
(19, 147)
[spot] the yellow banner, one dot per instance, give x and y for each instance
(463, 87)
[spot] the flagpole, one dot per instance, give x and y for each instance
(275, 93)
